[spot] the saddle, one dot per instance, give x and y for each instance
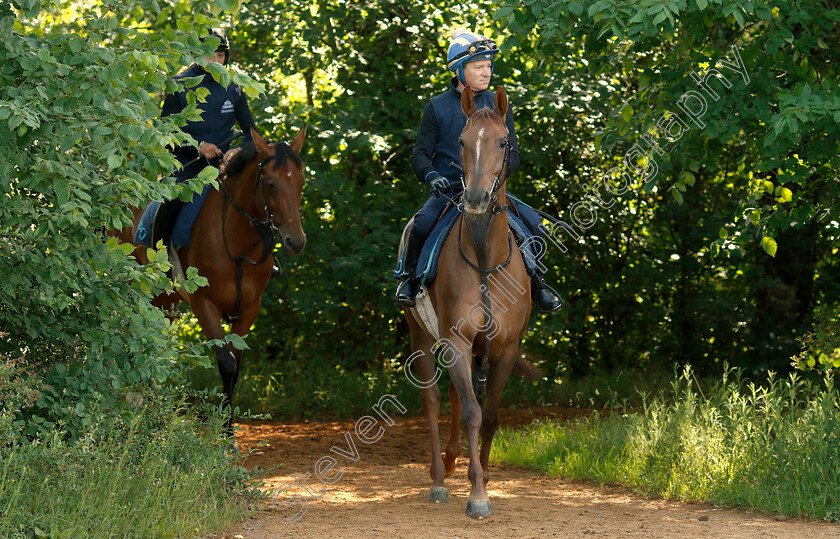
(153, 226)
(427, 263)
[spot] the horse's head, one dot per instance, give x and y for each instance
(485, 150)
(283, 180)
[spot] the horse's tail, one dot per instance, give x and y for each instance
(525, 369)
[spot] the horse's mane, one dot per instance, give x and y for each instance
(248, 152)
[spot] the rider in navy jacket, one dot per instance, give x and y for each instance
(470, 56)
(223, 108)
(437, 141)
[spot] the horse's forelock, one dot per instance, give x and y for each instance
(284, 152)
(485, 113)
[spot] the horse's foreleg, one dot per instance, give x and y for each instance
(497, 377)
(460, 373)
(209, 318)
(453, 445)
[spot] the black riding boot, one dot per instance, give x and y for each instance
(165, 219)
(407, 290)
(544, 296)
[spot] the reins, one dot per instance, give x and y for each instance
(265, 230)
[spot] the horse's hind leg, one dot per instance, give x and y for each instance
(424, 364)
(453, 445)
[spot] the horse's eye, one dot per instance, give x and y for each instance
(502, 143)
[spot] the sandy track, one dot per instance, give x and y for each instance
(383, 494)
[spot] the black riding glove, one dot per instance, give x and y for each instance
(440, 185)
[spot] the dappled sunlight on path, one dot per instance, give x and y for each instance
(383, 494)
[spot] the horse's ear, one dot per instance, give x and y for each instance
(297, 144)
(468, 102)
(260, 143)
(501, 102)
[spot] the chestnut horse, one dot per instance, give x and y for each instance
(233, 239)
(481, 290)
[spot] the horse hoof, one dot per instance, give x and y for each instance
(439, 495)
(479, 509)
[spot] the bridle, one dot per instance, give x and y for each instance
(498, 181)
(494, 207)
(265, 230)
(480, 374)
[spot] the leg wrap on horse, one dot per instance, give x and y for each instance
(226, 361)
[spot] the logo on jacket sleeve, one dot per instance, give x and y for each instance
(227, 107)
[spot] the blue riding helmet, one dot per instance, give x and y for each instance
(468, 47)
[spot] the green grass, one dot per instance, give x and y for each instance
(773, 447)
(154, 476)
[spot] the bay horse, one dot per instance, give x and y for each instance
(481, 290)
(233, 239)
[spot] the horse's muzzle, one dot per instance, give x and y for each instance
(293, 246)
(476, 201)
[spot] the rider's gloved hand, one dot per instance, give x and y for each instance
(440, 185)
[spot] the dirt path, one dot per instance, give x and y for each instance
(383, 494)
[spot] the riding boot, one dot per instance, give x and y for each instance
(165, 219)
(544, 296)
(407, 290)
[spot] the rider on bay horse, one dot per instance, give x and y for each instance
(436, 159)
(221, 110)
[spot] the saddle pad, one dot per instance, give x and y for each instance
(427, 264)
(182, 231)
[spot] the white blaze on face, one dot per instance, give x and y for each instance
(478, 145)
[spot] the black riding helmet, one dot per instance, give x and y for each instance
(224, 45)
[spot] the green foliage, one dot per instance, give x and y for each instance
(79, 97)
(159, 473)
(770, 447)
(764, 168)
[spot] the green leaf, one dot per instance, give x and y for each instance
(627, 113)
(503, 12)
(237, 341)
(723, 234)
(677, 196)
(660, 17)
(688, 178)
(769, 246)
(227, 5)
(785, 195)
